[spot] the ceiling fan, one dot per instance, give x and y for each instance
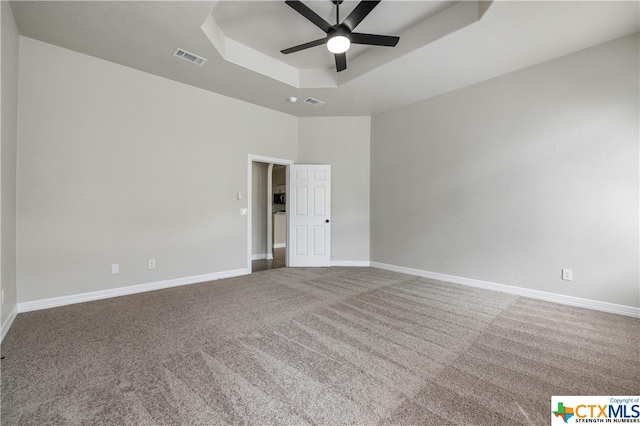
(340, 36)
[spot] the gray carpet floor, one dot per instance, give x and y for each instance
(312, 346)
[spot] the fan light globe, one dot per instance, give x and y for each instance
(338, 44)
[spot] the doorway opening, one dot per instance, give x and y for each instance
(267, 220)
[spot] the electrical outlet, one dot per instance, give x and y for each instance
(152, 263)
(567, 274)
(115, 268)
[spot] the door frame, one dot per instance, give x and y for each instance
(262, 159)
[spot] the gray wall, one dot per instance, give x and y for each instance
(506, 181)
(119, 166)
(9, 125)
(515, 178)
(348, 156)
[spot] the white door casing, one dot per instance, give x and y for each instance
(262, 159)
(309, 208)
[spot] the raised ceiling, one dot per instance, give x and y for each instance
(269, 26)
(248, 44)
(444, 45)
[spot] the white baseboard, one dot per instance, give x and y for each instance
(54, 302)
(7, 324)
(360, 263)
(613, 308)
(260, 256)
(280, 245)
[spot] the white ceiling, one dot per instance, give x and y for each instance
(443, 47)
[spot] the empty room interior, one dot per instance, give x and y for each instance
(319, 212)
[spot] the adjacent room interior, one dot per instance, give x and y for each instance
(269, 210)
(466, 174)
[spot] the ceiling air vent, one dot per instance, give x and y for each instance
(187, 56)
(313, 102)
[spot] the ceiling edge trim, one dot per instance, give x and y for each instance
(240, 54)
(450, 20)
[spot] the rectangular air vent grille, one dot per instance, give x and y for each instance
(188, 56)
(313, 102)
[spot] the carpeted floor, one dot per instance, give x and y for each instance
(312, 346)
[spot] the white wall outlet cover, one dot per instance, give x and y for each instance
(152, 263)
(115, 268)
(239, 195)
(244, 211)
(567, 274)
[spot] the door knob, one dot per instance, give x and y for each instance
(326, 221)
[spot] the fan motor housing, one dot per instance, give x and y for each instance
(338, 30)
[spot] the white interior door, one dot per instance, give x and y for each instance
(309, 205)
